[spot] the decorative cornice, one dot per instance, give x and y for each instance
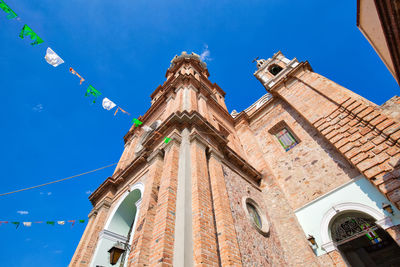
(111, 183)
(156, 154)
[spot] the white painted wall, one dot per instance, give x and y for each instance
(357, 191)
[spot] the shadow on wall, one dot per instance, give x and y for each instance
(329, 149)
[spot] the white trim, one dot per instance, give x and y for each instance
(139, 186)
(327, 243)
(106, 234)
(385, 223)
(138, 205)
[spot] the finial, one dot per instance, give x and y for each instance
(259, 62)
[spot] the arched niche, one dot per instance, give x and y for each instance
(121, 219)
(327, 243)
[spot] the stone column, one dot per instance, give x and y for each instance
(183, 242)
(204, 234)
(227, 241)
(143, 234)
(162, 243)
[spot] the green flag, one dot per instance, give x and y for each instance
(166, 140)
(26, 31)
(136, 122)
(8, 10)
(16, 224)
(92, 92)
(81, 221)
(51, 222)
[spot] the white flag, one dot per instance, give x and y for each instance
(108, 104)
(27, 224)
(146, 128)
(52, 58)
(61, 222)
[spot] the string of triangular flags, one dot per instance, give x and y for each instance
(55, 60)
(52, 223)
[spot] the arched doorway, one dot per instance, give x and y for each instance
(119, 227)
(362, 242)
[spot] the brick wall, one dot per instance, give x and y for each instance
(357, 128)
(311, 168)
(255, 248)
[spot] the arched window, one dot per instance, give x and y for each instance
(362, 242)
(275, 69)
(119, 228)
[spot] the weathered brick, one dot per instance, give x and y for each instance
(369, 163)
(360, 108)
(389, 186)
(366, 147)
(378, 140)
(380, 178)
(353, 106)
(393, 150)
(365, 112)
(365, 130)
(353, 122)
(394, 196)
(381, 118)
(353, 152)
(371, 116)
(383, 125)
(348, 102)
(394, 161)
(374, 171)
(392, 129)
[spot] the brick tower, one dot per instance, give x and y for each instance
(269, 186)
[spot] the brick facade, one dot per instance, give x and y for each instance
(191, 209)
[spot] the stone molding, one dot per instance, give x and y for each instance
(106, 234)
(156, 154)
(139, 186)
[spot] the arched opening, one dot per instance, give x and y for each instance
(119, 228)
(362, 242)
(275, 69)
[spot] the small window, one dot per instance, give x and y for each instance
(286, 139)
(275, 69)
(254, 215)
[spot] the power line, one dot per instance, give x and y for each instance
(53, 182)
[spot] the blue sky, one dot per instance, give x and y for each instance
(49, 130)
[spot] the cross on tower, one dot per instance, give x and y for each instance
(254, 60)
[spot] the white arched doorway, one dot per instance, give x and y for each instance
(358, 232)
(119, 227)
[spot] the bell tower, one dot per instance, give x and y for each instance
(167, 204)
(276, 68)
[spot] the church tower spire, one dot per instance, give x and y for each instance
(177, 191)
